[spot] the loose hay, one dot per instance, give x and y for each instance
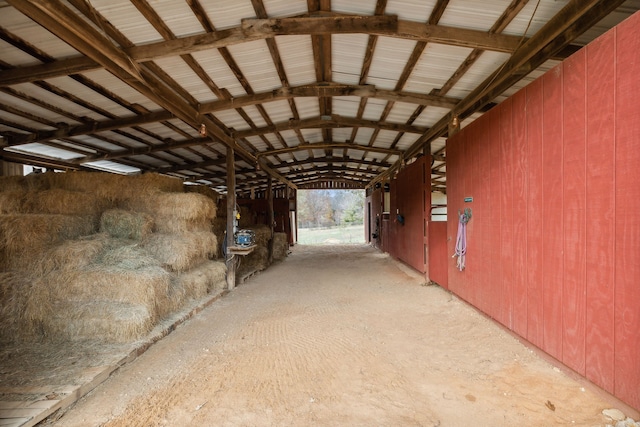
(101, 320)
(181, 252)
(123, 224)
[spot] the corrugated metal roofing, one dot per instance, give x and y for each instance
(137, 81)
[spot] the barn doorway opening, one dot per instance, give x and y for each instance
(330, 217)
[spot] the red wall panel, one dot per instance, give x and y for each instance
(574, 286)
(438, 253)
(600, 214)
(407, 200)
(493, 222)
(519, 218)
(455, 202)
(627, 214)
(552, 214)
(535, 301)
(560, 217)
(506, 213)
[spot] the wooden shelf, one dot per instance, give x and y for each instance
(241, 250)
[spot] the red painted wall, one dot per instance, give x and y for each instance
(438, 253)
(554, 241)
(411, 199)
(410, 196)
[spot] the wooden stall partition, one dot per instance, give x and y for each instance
(439, 256)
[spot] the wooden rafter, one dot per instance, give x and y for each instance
(261, 29)
(575, 18)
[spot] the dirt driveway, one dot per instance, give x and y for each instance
(332, 336)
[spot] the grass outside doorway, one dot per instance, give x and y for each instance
(352, 234)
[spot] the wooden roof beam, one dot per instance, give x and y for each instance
(331, 145)
(261, 29)
(234, 103)
(69, 27)
(334, 121)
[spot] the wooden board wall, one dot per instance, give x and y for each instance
(411, 198)
(553, 244)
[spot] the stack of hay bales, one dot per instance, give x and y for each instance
(258, 259)
(97, 255)
(280, 246)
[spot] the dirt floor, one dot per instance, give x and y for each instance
(339, 335)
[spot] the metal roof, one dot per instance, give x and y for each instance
(314, 93)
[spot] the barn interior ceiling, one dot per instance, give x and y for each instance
(312, 93)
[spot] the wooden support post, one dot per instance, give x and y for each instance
(270, 214)
(294, 220)
(231, 218)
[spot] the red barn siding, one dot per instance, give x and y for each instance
(627, 209)
(552, 205)
(438, 253)
(574, 286)
(407, 194)
(535, 302)
(600, 215)
(519, 219)
(553, 248)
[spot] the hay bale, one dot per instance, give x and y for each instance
(208, 276)
(145, 286)
(23, 238)
(156, 181)
(280, 246)
(99, 320)
(203, 189)
(112, 187)
(176, 212)
(123, 224)
(181, 252)
(195, 284)
(14, 297)
(126, 287)
(12, 202)
(220, 229)
(257, 260)
(124, 255)
(30, 182)
(63, 202)
(70, 255)
(263, 234)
